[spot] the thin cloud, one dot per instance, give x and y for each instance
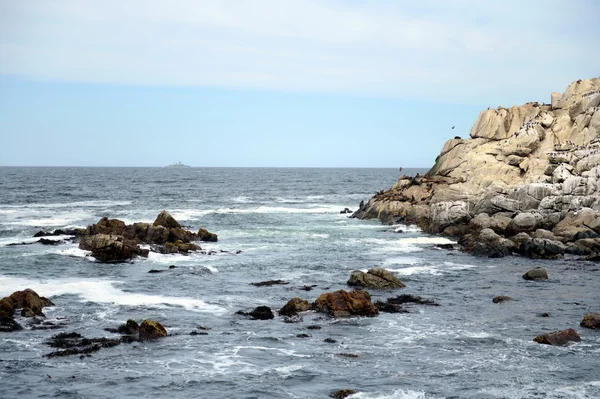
(453, 51)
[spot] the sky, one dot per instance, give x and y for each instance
(272, 83)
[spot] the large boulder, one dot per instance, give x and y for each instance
(205, 235)
(591, 320)
(376, 278)
(166, 220)
(111, 248)
(294, 306)
(150, 329)
(344, 304)
(558, 338)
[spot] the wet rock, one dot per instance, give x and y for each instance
(501, 298)
(344, 304)
(330, 340)
(259, 313)
(408, 298)
(46, 241)
(490, 251)
(536, 274)
(376, 278)
(166, 220)
(346, 210)
(542, 248)
(342, 393)
(308, 287)
(205, 235)
(449, 247)
(270, 283)
(76, 344)
(544, 314)
(591, 320)
(303, 335)
(198, 333)
(150, 329)
(558, 338)
(294, 306)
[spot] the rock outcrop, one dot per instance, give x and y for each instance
(525, 169)
(376, 278)
(344, 304)
(30, 303)
(111, 240)
(591, 320)
(558, 338)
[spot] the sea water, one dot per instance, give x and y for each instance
(287, 225)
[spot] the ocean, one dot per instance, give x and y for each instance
(287, 225)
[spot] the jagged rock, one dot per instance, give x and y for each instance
(150, 329)
(294, 306)
(344, 304)
(111, 248)
(501, 298)
(558, 338)
(26, 299)
(536, 274)
(376, 278)
(166, 220)
(591, 320)
(537, 165)
(205, 235)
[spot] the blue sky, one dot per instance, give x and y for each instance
(274, 83)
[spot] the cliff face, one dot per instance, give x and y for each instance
(538, 159)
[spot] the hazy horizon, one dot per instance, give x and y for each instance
(268, 84)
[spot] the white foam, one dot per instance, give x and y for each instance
(102, 291)
(402, 260)
(397, 394)
(194, 214)
(31, 240)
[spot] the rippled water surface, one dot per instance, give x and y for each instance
(287, 224)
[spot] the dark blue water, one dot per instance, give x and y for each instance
(287, 224)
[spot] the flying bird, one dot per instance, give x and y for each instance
(453, 127)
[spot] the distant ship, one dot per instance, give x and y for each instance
(178, 165)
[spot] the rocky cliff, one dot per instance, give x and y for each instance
(527, 180)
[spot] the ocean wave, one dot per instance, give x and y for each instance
(102, 291)
(75, 204)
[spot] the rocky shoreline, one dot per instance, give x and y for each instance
(526, 182)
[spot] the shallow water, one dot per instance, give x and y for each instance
(288, 226)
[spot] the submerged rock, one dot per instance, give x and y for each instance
(558, 338)
(269, 283)
(342, 393)
(376, 278)
(76, 344)
(501, 298)
(536, 274)
(408, 298)
(591, 320)
(344, 304)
